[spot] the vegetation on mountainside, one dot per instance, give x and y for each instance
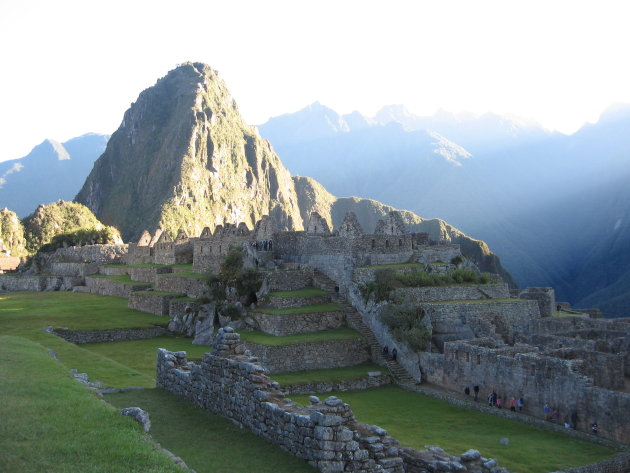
(12, 234)
(416, 420)
(52, 423)
(386, 280)
(406, 324)
(83, 236)
(73, 220)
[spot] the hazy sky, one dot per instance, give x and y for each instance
(71, 67)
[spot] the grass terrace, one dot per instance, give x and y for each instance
(334, 375)
(140, 355)
(416, 420)
(208, 443)
(261, 338)
(186, 267)
(142, 265)
(51, 423)
(471, 301)
(304, 292)
(307, 309)
(25, 314)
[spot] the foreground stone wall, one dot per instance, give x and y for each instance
(109, 287)
(281, 325)
(230, 383)
(74, 269)
(311, 356)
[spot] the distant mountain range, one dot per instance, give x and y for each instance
(554, 207)
(50, 172)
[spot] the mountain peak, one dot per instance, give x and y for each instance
(48, 150)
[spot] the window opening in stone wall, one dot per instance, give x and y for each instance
(399, 242)
(386, 243)
(548, 372)
(373, 243)
(532, 370)
(467, 356)
(478, 359)
(315, 229)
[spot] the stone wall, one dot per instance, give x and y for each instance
(191, 286)
(281, 325)
(311, 356)
(451, 293)
(116, 335)
(617, 464)
(24, 282)
(346, 385)
(109, 287)
(228, 382)
(148, 274)
(521, 372)
(289, 280)
(139, 254)
(294, 302)
(434, 253)
(150, 302)
(74, 269)
(545, 296)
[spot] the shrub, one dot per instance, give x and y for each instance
(246, 281)
(406, 325)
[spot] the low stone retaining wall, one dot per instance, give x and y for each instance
(293, 302)
(311, 356)
(114, 270)
(618, 464)
(229, 383)
(451, 293)
(192, 287)
(291, 280)
(109, 287)
(281, 325)
(116, 335)
(14, 282)
(345, 385)
(152, 303)
(74, 269)
(148, 274)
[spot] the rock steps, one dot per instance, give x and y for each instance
(355, 321)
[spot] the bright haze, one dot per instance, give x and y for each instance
(71, 67)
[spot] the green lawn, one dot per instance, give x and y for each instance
(25, 314)
(143, 265)
(207, 443)
(304, 292)
(344, 333)
(417, 420)
(333, 375)
(307, 309)
(50, 423)
(140, 355)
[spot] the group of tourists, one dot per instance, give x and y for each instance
(264, 245)
(494, 400)
(552, 414)
(386, 353)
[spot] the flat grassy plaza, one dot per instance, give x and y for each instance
(52, 423)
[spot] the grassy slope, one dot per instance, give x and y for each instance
(207, 443)
(304, 292)
(140, 355)
(25, 314)
(417, 420)
(48, 421)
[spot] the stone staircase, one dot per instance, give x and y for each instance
(355, 321)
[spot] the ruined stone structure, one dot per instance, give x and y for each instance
(231, 383)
